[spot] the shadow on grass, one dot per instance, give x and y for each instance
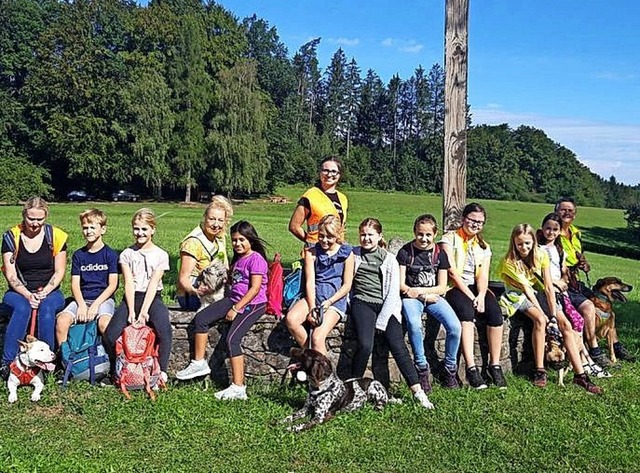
(611, 241)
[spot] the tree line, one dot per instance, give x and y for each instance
(180, 96)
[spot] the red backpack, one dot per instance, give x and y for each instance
(275, 286)
(137, 364)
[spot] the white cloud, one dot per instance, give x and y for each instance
(403, 46)
(344, 41)
(606, 148)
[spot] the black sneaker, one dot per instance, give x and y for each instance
(474, 378)
(583, 381)
(497, 376)
(449, 379)
(601, 359)
(622, 354)
(540, 378)
(4, 372)
(424, 374)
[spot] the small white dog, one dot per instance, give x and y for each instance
(214, 277)
(34, 357)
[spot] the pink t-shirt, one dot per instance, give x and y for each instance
(143, 263)
(241, 277)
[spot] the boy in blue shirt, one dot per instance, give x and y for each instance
(94, 278)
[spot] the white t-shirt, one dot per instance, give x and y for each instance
(143, 263)
(554, 258)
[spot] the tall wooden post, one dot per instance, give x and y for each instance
(455, 112)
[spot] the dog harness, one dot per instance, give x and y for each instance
(599, 312)
(24, 376)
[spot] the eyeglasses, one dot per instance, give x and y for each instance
(474, 223)
(567, 211)
(330, 172)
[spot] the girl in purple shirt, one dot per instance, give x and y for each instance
(245, 304)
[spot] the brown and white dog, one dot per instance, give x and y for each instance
(606, 291)
(215, 277)
(328, 394)
(34, 357)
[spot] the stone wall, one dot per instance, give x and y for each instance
(267, 346)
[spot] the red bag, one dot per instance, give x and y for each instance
(137, 364)
(275, 286)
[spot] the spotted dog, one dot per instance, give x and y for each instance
(215, 277)
(328, 394)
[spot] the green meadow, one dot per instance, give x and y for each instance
(85, 429)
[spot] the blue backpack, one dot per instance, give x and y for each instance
(83, 356)
(293, 285)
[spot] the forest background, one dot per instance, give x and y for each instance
(180, 96)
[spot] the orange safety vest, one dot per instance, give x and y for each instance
(322, 205)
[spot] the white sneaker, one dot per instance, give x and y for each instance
(232, 392)
(195, 369)
(423, 400)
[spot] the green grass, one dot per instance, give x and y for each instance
(524, 429)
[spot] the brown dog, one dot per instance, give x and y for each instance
(605, 292)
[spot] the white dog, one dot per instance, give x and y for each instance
(213, 277)
(34, 357)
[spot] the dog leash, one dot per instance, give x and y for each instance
(34, 316)
(318, 318)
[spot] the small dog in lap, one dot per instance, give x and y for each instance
(214, 277)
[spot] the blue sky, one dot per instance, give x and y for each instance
(569, 67)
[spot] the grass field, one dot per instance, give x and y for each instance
(524, 429)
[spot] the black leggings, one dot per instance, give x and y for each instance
(463, 307)
(363, 316)
(239, 327)
(158, 319)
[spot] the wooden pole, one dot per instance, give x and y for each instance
(455, 112)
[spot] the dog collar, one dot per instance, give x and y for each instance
(602, 297)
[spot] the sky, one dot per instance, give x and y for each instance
(568, 67)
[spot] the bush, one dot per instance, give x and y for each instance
(632, 216)
(22, 179)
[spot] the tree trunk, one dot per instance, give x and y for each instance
(187, 191)
(455, 106)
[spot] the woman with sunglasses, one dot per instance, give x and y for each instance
(322, 199)
(470, 297)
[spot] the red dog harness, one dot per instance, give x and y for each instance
(24, 376)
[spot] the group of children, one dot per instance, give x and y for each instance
(445, 277)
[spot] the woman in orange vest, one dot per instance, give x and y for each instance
(322, 199)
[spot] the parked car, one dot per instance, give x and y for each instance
(77, 196)
(124, 196)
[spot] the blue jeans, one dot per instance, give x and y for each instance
(412, 310)
(21, 316)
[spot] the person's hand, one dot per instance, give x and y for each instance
(562, 285)
(312, 317)
(478, 304)
(583, 264)
(132, 318)
(203, 289)
(231, 315)
(34, 300)
(92, 313)
(82, 313)
(143, 318)
(326, 304)
(413, 293)
(430, 298)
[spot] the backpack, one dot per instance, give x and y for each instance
(83, 356)
(275, 287)
(137, 364)
(293, 287)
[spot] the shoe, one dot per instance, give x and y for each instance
(424, 375)
(195, 369)
(601, 359)
(422, 399)
(106, 382)
(4, 372)
(474, 378)
(449, 378)
(540, 378)
(162, 381)
(623, 354)
(583, 381)
(497, 376)
(233, 392)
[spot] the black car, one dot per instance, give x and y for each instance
(77, 196)
(124, 196)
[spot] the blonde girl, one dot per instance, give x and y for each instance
(328, 267)
(526, 272)
(143, 264)
(376, 305)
